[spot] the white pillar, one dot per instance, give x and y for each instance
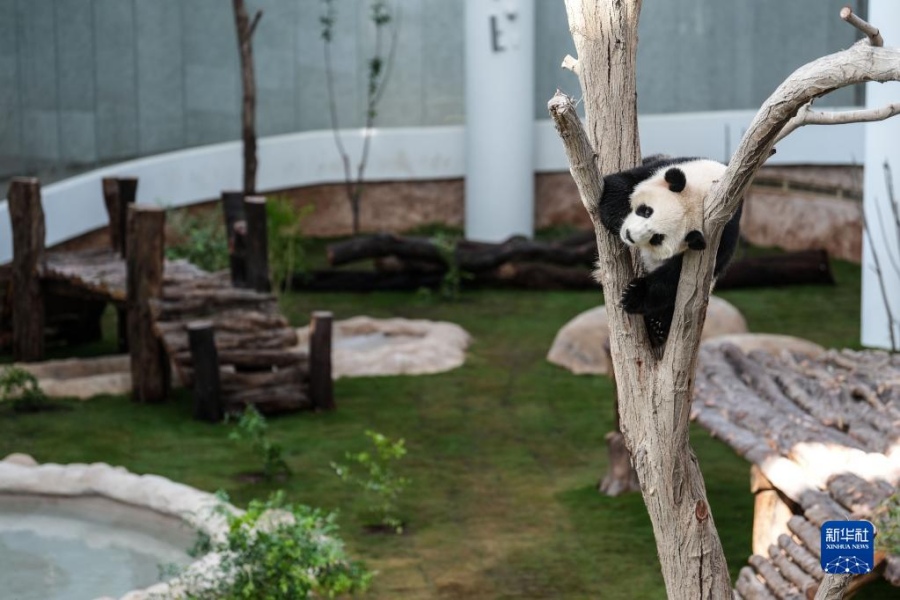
(881, 146)
(499, 119)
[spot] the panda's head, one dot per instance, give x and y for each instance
(666, 216)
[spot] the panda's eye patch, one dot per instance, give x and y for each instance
(643, 211)
(657, 239)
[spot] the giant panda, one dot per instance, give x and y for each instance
(658, 209)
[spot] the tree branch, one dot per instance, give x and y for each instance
(582, 158)
(570, 63)
(871, 32)
(807, 116)
(252, 28)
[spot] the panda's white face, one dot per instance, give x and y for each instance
(667, 210)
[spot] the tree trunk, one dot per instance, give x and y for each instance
(655, 391)
(245, 31)
(28, 232)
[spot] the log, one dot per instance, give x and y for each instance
(321, 387)
(145, 246)
(251, 359)
(28, 233)
(781, 587)
(257, 244)
(208, 404)
(801, 556)
(259, 339)
(233, 381)
(750, 587)
(269, 400)
(833, 587)
(236, 230)
(115, 217)
(771, 512)
(807, 267)
(802, 580)
(808, 534)
(470, 256)
(538, 276)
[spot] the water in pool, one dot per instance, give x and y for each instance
(54, 548)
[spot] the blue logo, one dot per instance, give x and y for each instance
(848, 547)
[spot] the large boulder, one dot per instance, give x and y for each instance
(772, 343)
(578, 346)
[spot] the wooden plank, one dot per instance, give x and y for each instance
(125, 198)
(28, 233)
(149, 364)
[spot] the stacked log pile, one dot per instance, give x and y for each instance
(255, 343)
(823, 430)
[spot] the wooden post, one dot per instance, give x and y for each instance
(257, 244)
(125, 198)
(118, 193)
(145, 241)
(28, 233)
(321, 386)
(771, 512)
(236, 230)
(205, 358)
(621, 476)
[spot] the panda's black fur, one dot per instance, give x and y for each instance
(653, 294)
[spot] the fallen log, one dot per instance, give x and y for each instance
(807, 267)
(473, 257)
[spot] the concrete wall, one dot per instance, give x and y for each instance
(85, 83)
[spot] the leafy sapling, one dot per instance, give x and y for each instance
(251, 429)
(374, 473)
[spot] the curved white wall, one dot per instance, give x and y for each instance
(75, 206)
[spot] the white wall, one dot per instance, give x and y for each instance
(881, 144)
(75, 206)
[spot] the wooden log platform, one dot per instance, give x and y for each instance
(258, 361)
(822, 432)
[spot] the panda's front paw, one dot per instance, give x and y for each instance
(635, 296)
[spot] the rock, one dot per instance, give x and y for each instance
(363, 346)
(578, 346)
(23, 460)
(768, 342)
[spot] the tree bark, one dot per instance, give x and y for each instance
(149, 364)
(28, 233)
(655, 392)
(321, 388)
(245, 29)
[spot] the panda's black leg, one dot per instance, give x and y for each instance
(658, 326)
(635, 295)
(655, 292)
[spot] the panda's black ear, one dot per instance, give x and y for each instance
(695, 240)
(676, 179)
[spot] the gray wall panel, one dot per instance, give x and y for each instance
(10, 118)
(275, 63)
(160, 76)
(78, 141)
(402, 104)
(116, 79)
(442, 61)
(77, 101)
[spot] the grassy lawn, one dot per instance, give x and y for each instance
(504, 453)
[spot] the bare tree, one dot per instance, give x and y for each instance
(379, 66)
(655, 391)
(245, 29)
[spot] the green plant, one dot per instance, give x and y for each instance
(21, 389)
(252, 428)
(287, 248)
(451, 283)
(887, 523)
(281, 551)
(378, 479)
(199, 240)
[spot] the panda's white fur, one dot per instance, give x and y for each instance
(673, 215)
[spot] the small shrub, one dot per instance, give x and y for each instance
(21, 390)
(374, 473)
(287, 247)
(887, 524)
(451, 283)
(281, 551)
(251, 428)
(199, 240)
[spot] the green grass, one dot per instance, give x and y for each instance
(504, 453)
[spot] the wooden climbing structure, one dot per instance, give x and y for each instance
(161, 302)
(822, 433)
